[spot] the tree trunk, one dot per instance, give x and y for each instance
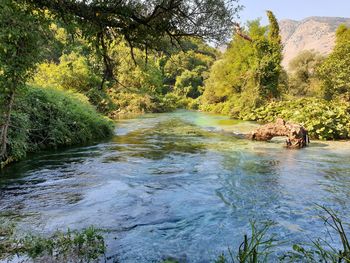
(5, 127)
(297, 135)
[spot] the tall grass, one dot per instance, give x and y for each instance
(321, 250)
(259, 245)
(86, 245)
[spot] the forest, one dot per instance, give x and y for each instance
(71, 71)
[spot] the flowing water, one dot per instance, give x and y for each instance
(174, 185)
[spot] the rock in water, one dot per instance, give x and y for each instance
(297, 135)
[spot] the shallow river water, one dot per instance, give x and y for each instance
(174, 185)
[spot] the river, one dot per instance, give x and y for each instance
(174, 185)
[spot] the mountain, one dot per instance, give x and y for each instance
(312, 33)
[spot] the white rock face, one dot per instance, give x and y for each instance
(313, 33)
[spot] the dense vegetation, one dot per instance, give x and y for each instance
(323, 119)
(247, 75)
(132, 69)
(162, 83)
(46, 118)
(248, 83)
(32, 118)
(153, 59)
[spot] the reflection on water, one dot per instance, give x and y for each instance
(173, 185)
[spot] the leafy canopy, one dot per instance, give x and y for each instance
(304, 80)
(335, 71)
(249, 71)
(143, 24)
(22, 31)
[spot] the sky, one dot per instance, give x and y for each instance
(293, 9)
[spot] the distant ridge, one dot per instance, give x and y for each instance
(312, 33)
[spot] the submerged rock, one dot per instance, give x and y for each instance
(297, 135)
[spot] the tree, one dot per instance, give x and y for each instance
(270, 64)
(143, 24)
(335, 71)
(186, 71)
(274, 29)
(22, 35)
(71, 73)
(248, 74)
(304, 80)
(188, 84)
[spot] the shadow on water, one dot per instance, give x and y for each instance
(172, 184)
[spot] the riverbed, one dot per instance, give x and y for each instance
(175, 184)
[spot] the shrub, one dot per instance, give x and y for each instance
(324, 120)
(75, 74)
(130, 103)
(47, 118)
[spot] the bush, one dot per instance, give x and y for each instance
(74, 73)
(131, 103)
(47, 118)
(324, 120)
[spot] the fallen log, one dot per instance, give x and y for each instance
(297, 135)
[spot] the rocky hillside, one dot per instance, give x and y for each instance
(317, 33)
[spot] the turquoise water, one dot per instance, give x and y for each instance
(175, 185)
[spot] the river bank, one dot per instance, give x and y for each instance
(46, 118)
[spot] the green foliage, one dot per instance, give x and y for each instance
(188, 84)
(324, 120)
(48, 118)
(85, 246)
(144, 24)
(132, 103)
(7, 244)
(160, 82)
(22, 31)
(234, 74)
(193, 60)
(335, 71)
(185, 71)
(249, 72)
(74, 73)
(304, 80)
(144, 84)
(274, 29)
(136, 75)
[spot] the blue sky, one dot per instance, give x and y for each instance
(294, 9)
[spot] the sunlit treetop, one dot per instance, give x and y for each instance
(144, 24)
(145, 21)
